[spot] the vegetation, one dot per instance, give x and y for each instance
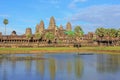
(100, 32)
(28, 36)
(78, 32)
(61, 49)
(109, 34)
(70, 34)
(49, 36)
(38, 35)
(5, 21)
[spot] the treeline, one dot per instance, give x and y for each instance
(111, 35)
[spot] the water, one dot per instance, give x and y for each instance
(62, 67)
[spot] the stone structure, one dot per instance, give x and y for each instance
(61, 27)
(0, 34)
(40, 27)
(68, 26)
(13, 33)
(60, 37)
(52, 23)
(28, 31)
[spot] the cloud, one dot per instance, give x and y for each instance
(73, 4)
(106, 15)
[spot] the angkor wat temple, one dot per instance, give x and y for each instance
(39, 39)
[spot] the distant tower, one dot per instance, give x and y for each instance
(13, 33)
(28, 31)
(37, 28)
(68, 26)
(0, 33)
(52, 23)
(61, 27)
(41, 27)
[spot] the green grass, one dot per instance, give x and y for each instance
(59, 49)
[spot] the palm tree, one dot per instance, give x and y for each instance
(111, 34)
(118, 33)
(5, 21)
(78, 32)
(118, 36)
(100, 32)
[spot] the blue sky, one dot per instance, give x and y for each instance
(89, 14)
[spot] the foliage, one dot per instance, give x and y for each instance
(118, 32)
(38, 35)
(100, 32)
(112, 33)
(28, 36)
(70, 33)
(49, 36)
(5, 21)
(78, 31)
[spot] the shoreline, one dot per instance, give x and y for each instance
(43, 50)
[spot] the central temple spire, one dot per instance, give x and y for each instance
(52, 23)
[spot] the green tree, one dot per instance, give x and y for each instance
(5, 21)
(38, 35)
(28, 36)
(49, 36)
(100, 32)
(70, 35)
(118, 33)
(111, 34)
(78, 32)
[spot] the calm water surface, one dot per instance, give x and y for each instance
(62, 67)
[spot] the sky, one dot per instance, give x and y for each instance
(89, 14)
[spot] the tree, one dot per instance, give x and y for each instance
(28, 36)
(70, 34)
(100, 32)
(50, 36)
(5, 21)
(118, 36)
(111, 34)
(37, 35)
(78, 32)
(118, 33)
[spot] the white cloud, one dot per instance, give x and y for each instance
(73, 5)
(107, 15)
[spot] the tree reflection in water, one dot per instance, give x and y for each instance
(52, 68)
(78, 67)
(40, 68)
(62, 67)
(28, 64)
(108, 63)
(69, 67)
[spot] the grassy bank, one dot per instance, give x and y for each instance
(61, 49)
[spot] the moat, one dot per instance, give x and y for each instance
(61, 67)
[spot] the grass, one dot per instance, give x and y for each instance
(60, 49)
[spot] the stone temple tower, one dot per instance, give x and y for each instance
(28, 31)
(40, 27)
(68, 26)
(52, 23)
